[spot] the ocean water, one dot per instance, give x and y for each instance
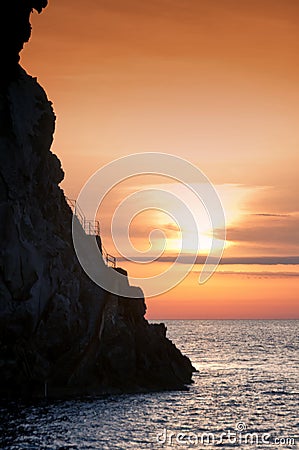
(245, 395)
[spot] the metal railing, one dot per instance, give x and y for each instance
(109, 259)
(77, 211)
(90, 228)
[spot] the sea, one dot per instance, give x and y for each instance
(244, 395)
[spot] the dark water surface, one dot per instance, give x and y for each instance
(245, 395)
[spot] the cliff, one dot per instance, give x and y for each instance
(57, 328)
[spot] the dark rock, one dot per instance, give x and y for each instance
(15, 30)
(56, 326)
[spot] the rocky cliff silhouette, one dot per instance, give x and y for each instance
(57, 328)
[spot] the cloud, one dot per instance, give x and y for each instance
(280, 230)
(269, 215)
(171, 227)
(262, 274)
(236, 260)
(262, 260)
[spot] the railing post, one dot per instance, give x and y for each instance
(91, 228)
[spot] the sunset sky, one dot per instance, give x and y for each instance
(212, 81)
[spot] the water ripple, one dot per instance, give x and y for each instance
(248, 374)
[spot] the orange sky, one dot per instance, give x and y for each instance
(213, 81)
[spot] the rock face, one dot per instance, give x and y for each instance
(57, 328)
(15, 31)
